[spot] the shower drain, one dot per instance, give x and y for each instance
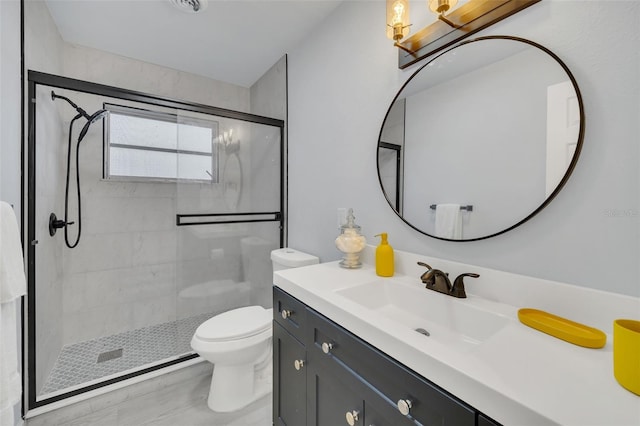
(109, 355)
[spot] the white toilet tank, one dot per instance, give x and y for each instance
(286, 258)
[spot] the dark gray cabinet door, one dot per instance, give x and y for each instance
(290, 383)
(331, 399)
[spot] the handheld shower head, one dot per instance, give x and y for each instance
(90, 120)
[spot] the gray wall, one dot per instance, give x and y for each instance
(10, 102)
(588, 236)
(10, 96)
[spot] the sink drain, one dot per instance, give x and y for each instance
(423, 331)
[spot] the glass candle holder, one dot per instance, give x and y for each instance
(350, 242)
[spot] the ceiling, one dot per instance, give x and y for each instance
(235, 41)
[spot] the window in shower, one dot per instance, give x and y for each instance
(143, 144)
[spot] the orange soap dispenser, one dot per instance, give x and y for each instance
(384, 257)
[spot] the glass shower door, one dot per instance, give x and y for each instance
(182, 205)
(229, 218)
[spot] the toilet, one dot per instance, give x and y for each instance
(238, 344)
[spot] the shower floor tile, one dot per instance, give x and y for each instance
(93, 359)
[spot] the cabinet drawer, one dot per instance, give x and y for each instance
(289, 312)
(430, 405)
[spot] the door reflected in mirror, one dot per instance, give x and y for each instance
(495, 123)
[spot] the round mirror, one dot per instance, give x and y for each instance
(480, 139)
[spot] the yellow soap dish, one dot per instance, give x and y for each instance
(562, 328)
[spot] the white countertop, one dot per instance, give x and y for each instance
(518, 376)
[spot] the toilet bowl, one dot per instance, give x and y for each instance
(238, 343)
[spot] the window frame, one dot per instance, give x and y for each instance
(165, 117)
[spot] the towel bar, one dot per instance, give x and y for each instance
(468, 207)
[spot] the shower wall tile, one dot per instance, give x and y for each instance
(197, 242)
(96, 322)
(75, 292)
(102, 67)
(226, 298)
(105, 188)
(91, 289)
(199, 271)
(100, 252)
(153, 311)
(144, 282)
(106, 320)
(154, 247)
(269, 92)
(123, 214)
(88, 294)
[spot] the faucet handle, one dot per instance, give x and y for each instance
(458, 285)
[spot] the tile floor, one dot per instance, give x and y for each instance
(90, 360)
(182, 403)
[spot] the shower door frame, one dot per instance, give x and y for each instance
(36, 78)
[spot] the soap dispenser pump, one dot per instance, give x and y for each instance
(384, 257)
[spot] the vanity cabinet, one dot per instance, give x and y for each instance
(326, 376)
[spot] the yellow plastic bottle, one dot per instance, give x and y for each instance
(384, 257)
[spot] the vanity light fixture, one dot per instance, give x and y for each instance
(441, 7)
(471, 17)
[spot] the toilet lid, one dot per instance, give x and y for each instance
(235, 324)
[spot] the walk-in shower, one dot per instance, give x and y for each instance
(181, 205)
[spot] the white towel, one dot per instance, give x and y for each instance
(448, 221)
(12, 279)
(12, 286)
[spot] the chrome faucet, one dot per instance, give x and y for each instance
(437, 280)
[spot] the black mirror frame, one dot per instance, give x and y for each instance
(562, 182)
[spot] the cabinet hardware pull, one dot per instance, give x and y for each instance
(352, 417)
(326, 347)
(286, 313)
(298, 364)
(404, 406)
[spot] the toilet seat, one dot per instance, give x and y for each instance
(235, 324)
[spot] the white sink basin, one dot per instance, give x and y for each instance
(448, 320)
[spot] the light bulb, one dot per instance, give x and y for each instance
(397, 19)
(398, 13)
